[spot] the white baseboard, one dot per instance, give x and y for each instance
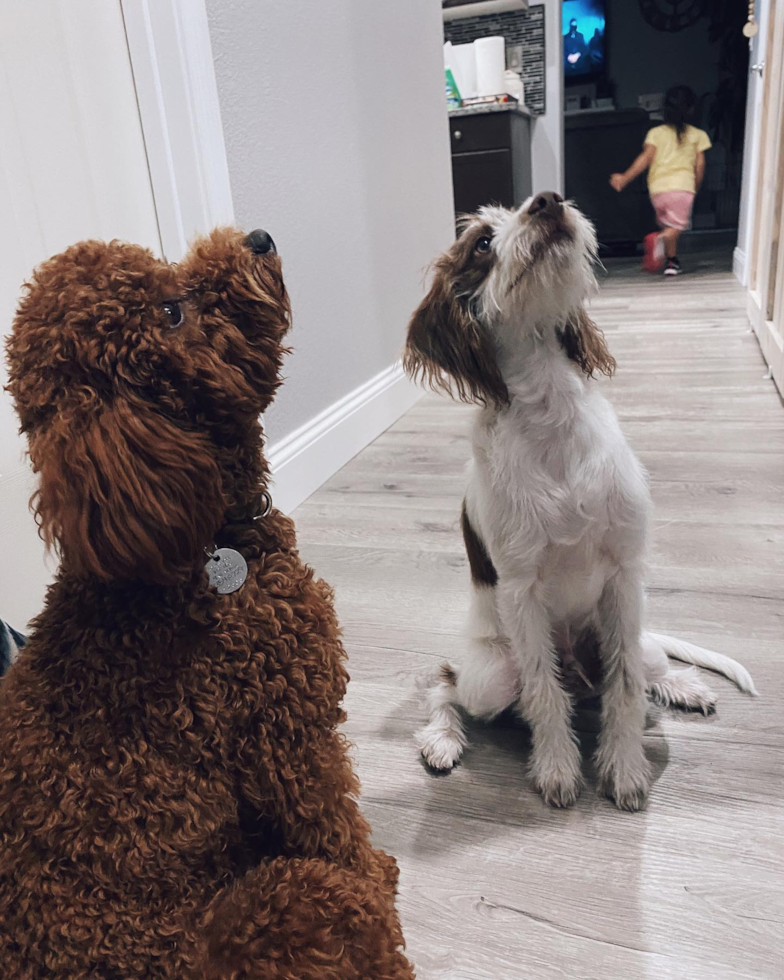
(304, 460)
(739, 265)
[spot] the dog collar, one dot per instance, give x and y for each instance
(226, 568)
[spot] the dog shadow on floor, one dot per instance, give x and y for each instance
(509, 879)
(490, 786)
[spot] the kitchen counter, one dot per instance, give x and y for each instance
(491, 155)
(479, 110)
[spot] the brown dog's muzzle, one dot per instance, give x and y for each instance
(260, 242)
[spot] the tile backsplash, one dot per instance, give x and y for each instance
(525, 28)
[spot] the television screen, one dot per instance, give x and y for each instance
(583, 37)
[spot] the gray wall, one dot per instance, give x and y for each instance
(337, 140)
(643, 60)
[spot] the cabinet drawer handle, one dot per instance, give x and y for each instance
(458, 135)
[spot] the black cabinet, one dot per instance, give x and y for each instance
(482, 178)
(598, 144)
(491, 159)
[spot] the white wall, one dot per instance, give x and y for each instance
(337, 141)
(547, 137)
(72, 166)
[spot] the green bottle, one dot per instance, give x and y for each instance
(453, 99)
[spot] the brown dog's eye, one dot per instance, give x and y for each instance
(483, 244)
(174, 313)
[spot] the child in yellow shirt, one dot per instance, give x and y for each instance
(674, 156)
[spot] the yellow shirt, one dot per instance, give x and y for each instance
(673, 166)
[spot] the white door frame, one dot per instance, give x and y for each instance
(766, 270)
(171, 57)
(741, 256)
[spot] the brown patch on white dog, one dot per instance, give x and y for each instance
(585, 344)
(447, 348)
(482, 568)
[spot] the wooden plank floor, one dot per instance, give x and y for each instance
(494, 885)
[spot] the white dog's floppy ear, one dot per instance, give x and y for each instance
(584, 342)
(448, 348)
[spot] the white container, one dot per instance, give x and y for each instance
(448, 54)
(514, 85)
(463, 61)
(490, 65)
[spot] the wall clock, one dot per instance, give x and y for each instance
(672, 15)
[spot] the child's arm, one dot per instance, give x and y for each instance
(643, 161)
(699, 168)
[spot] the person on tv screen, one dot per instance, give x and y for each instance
(574, 49)
(596, 50)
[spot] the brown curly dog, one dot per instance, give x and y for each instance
(175, 798)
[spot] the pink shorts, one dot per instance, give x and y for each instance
(673, 209)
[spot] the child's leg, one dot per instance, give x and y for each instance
(654, 256)
(673, 213)
(653, 248)
(670, 238)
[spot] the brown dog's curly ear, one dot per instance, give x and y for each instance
(127, 495)
(584, 343)
(449, 350)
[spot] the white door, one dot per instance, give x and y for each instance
(766, 280)
(72, 166)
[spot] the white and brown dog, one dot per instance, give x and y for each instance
(556, 511)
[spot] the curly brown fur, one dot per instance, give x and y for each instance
(314, 905)
(175, 799)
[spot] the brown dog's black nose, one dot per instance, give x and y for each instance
(548, 202)
(260, 242)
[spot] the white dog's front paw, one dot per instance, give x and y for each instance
(626, 780)
(441, 747)
(557, 777)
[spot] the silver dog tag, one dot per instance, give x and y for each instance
(226, 570)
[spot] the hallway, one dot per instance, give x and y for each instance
(494, 885)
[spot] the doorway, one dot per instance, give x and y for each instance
(765, 304)
(640, 50)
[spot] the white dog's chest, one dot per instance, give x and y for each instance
(573, 578)
(567, 546)
(562, 510)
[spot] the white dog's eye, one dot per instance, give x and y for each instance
(483, 244)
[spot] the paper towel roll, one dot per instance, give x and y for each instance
(464, 63)
(490, 65)
(447, 54)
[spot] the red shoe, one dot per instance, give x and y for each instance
(653, 253)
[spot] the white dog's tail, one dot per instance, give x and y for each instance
(690, 653)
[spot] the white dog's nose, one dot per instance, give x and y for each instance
(548, 202)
